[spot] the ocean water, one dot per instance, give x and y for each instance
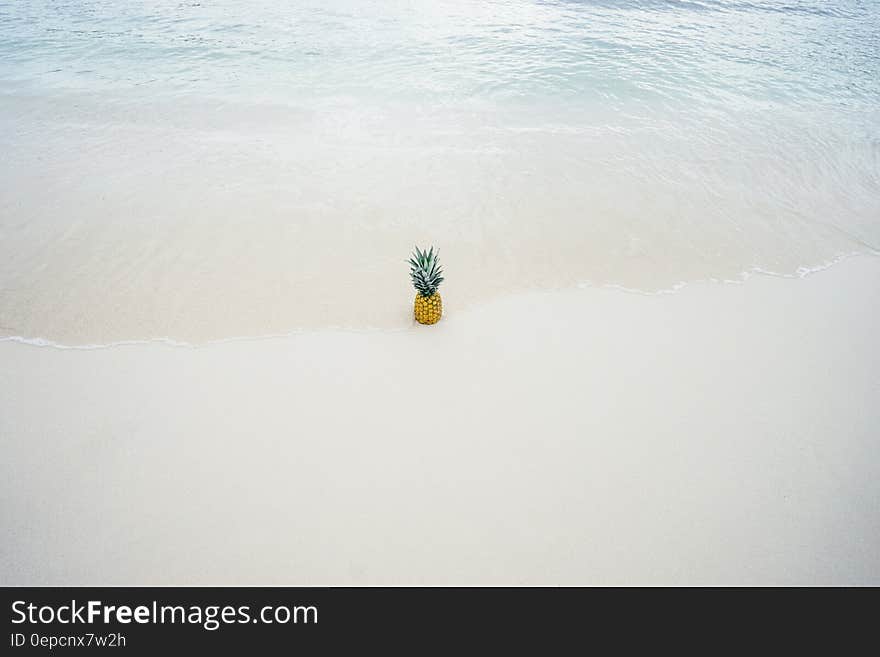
(203, 170)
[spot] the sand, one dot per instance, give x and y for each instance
(722, 434)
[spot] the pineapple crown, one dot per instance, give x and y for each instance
(424, 268)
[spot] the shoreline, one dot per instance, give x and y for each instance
(743, 278)
(725, 434)
(198, 220)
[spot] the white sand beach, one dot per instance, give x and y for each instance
(721, 434)
(659, 355)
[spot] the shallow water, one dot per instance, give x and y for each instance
(203, 170)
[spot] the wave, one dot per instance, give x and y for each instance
(801, 273)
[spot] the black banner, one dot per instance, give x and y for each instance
(149, 620)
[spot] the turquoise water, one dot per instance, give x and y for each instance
(171, 155)
(632, 56)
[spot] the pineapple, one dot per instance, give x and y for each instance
(426, 277)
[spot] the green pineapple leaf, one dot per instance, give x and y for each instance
(425, 271)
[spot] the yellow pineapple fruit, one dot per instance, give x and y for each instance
(428, 309)
(426, 277)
